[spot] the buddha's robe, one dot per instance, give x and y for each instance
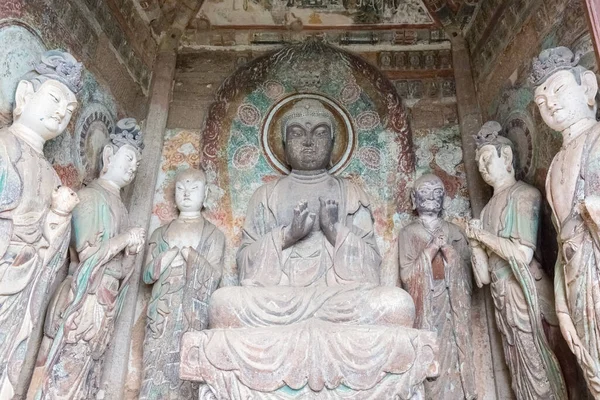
(29, 259)
(74, 364)
(520, 300)
(312, 278)
(441, 288)
(179, 301)
(577, 272)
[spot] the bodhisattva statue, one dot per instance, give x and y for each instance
(85, 308)
(503, 244)
(185, 264)
(435, 269)
(310, 314)
(34, 216)
(566, 97)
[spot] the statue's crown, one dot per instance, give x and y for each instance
(551, 61)
(128, 132)
(490, 134)
(307, 108)
(63, 67)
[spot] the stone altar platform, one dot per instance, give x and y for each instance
(310, 360)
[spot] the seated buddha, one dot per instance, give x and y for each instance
(310, 298)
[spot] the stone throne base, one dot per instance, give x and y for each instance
(310, 360)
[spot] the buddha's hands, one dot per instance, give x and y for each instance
(301, 225)
(328, 219)
(473, 230)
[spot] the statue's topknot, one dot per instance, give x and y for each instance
(551, 61)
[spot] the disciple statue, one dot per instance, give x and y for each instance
(185, 264)
(35, 217)
(566, 97)
(435, 269)
(86, 306)
(503, 244)
(310, 299)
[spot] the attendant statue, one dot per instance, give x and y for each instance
(310, 298)
(503, 244)
(82, 319)
(34, 215)
(185, 264)
(566, 97)
(435, 269)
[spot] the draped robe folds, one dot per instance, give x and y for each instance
(577, 270)
(29, 261)
(309, 322)
(179, 303)
(98, 287)
(519, 299)
(442, 305)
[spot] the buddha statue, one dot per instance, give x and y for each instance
(80, 323)
(185, 264)
(35, 216)
(310, 298)
(566, 94)
(503, 242)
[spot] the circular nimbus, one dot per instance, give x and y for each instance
(272, 140)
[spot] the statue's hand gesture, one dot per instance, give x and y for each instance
(328, 218)
(301, 225)
(136, 240)
(473, 228)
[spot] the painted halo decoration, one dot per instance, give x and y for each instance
(272, 141)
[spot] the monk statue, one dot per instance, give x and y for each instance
(80, 323)
(310, 298)
(435, 269)
(35, 216)
(503, 244)
(185, 264)
(565, 93)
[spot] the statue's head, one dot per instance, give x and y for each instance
(121, 156)
(308, 133)
(428, 195)
(45, 98)
(495, 155)
(565, 92)
(190, 189)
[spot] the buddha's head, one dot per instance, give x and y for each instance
(190, 190)
(308, 133)
(565, 92)
(121, 156)
(428, 195)
(495, 155)
(45, 98)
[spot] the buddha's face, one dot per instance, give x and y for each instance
(309, 143)
(492, 167)
(429, 197)
(189, 194)
(121, 166)
(563, 102)
(46, 111)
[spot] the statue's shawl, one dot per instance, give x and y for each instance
(520, 224)
(261, 228)
(11, 185)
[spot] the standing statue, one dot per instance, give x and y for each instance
(310, 314)
(185, 264)
(435, 269)
(503, 243)
(566, 97)
(34, 216)
(88, 303)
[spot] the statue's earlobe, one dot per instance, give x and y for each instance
(107, 154)
(590, 83)
(23, 94)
